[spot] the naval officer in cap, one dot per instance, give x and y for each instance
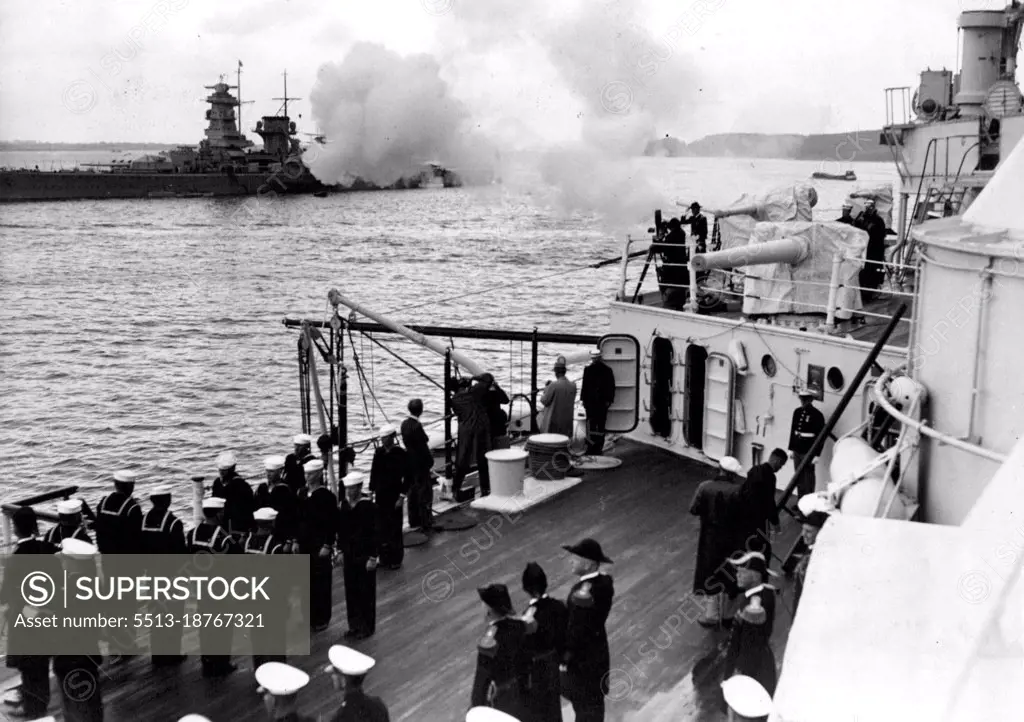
(280, 684)
(78, 675)
(69, 514)
(210, 537)
(747, 700)
(752, 574)
(317, 534)
(503, 661)
(357, 706)
(295, 461)
(546, 620)
(587, 661)
(164, 533)
(273, 636)
(807, 423)
(358, 538)
(239, 500)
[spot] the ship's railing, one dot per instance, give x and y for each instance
(897, 106)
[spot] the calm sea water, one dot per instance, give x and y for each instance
(149, 335)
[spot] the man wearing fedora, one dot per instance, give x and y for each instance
(808, 422)
(587, 661)
(597, 395)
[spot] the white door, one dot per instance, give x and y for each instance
(622, 354)
(719, 386)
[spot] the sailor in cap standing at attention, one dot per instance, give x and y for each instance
(280, 685)
(503, 660)
(78, 675)
(276, 494)
(210, 537)
(239, 500)
(70, 526)
(273, 636)
(357, 706)
(587, 661)
(294, 475)
(358, 538)
(390, 476)
(317, 535)
(118, 531)
(164, 533)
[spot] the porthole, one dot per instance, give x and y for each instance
(768, 365)
(835, 379)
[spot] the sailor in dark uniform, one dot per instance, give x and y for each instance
(813, 511)
(358, 540)
(296, 461)
(280, 685)
(118, 530)
(503, 662)
(210, 537)
(70, 524)
(78, 675)
(280, 497)
(752, 573)
(265, 541)
(698, 224)
(873, 272)
(390, 475)
(317, 535)
(34, 668)
(164, 533)
(239, 500)
(587, 662)
(808, 422)
(349, 669)
(546, 620)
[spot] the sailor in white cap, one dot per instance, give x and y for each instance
(597, 394)
(277, 494)
(264, 541)
(118, 528)
(79, 560)
(390, 475)
(210, 537)
(317, 537)
(349, 669)
(294, 462)
(807, 423)
(847, 216)
(359, 540)
(240, 502)
(274, 468)
(748, 701)
(488, 714)
(720, 526)
(813, 510)
(421, 486)
(280, 685)
(164, 533)
(69, 513)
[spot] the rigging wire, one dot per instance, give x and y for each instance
(414, 368)
(362, 392)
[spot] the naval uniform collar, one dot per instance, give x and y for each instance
(585, 577)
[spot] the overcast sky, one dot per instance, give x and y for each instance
(134, 70)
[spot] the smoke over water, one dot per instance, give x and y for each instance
(385, 114)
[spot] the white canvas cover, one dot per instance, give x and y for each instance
(787, 203)
(882, 196)
(735, 231)
(891, 616)
(782, 288)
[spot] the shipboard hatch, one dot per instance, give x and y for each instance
(662, 369)
(622, 354)
(719, 395)
(693, 396)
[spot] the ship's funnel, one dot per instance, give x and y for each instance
(990, 39)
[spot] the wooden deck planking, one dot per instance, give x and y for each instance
(429, 616)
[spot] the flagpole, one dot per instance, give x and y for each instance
(239, 88)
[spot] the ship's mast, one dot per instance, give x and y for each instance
(286, 98)
(238, 87)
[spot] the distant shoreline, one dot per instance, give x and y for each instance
(31, 145)
(842, 148)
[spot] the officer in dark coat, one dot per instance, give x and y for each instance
(421, 460)
(210, 537)
(349, 669)
(358, 540)
(546, 621)
(264, 541)
(750, 651)
(318, 531)
(295, 462)
(760, 514)
(78, 675)
(698, 224)
(389, 483)
(871, 275)
(503, 662)
(813, 511)
(597, 395)
(34, 668)
(118, 531)
(164, 533)
(239, 500)
(752, 573)
(807, 423)
(70, 526)
(280, 685)
(280, 497)
(587, 661)
(718, 504)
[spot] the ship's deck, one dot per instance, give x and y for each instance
(429, 615)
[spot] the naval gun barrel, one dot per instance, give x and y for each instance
(783, 250)
(748, 210)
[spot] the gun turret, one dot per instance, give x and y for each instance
(783, 250)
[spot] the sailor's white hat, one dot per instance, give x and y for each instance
(313, 465)
(353, 478)
(350, 662)
(213, 502)
(746, 697)
(265, 514)
(387, 430)
(226, 460)
(125, 476)
(301, 439)
(77, 548)
(817, 502)
(730, 463)
(595, 353)
(194, 718)
(488, 714)
(160, 491)
(280, 679)
(71, 506)
(273, 463)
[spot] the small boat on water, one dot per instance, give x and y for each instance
(847, 176)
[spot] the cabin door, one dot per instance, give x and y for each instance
(662, 369)
(719, 395)
(622, 354)
(693, 396)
